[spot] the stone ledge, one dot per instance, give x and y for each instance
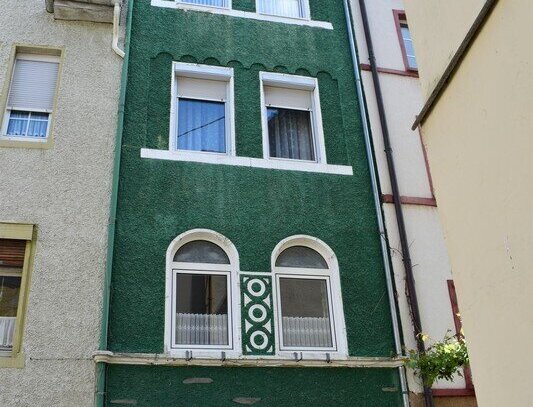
(98, 11)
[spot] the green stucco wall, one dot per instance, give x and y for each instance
(276, 387)
(254, 208)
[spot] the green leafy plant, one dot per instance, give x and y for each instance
(441, 360)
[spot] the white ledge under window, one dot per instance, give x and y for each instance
(274, 164)
(242, 14)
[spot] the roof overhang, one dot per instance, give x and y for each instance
(98, 11)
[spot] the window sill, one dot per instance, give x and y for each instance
(11, 142)
(245, 361)
(247, 162)
(12, 361)
(242, 14)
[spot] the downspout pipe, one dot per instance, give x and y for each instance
(377, 200)
(406, 256)
(101, 367)
(116, 25)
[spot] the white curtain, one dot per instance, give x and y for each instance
(286, 8)
(201, 329)
(30, 124)
(289, 133)
(213, 3)
(7, 331)
(312, 332)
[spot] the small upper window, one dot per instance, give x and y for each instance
(292, 115)
(302, 257)
(284, 8)
(203, 111)
(30, 101)
(210, 3)
(406, 43)
(201, 251)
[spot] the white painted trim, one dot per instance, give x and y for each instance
(210, 72)
(242, 14)
(335, 301)
(299, 83)
(152, 359)
(234, 310)
(287, 165)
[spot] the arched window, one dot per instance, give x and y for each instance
(309, 303)
(201, 267)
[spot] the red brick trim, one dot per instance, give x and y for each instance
(412, 74)
(410, 200)
(454, 392)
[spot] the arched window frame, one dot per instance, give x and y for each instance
(331, 275)
(233, 349)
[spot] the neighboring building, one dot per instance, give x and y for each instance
(60, 84)
(475, 63)
(397, 72)
(247, 260)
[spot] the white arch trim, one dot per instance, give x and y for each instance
(332, 273)
(232, 270)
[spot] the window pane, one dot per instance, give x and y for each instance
(305, 313)
(409, 49)
(289, 133)
(31, 124)
(301, 257)
(201, 126)
(287, 8)
(201, 251)
(201, 309)
(212, 3)
(11, 265)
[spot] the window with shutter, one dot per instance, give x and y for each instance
(30, 101)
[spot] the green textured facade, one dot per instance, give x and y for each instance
(255, 208)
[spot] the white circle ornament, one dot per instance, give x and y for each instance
(262, 287)
(261, 308)
(253, 339)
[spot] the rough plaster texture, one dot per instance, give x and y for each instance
(479, 147)
(275, 387)
(64, 191)
(254, 208)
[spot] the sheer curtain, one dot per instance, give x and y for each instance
(290, 135)
(30, 124)
(213, 3)
(287, 8)
(201, 126)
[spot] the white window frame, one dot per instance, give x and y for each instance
(339, 350)
(295, 82)
(304, 4)
(234, 347)
(7, 111)
(208, 72)
(208, 6)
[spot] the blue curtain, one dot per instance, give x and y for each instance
(213, 3)
(201, 126)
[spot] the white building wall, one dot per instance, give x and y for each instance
(403, 99)
(65, 192)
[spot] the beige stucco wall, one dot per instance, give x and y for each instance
(449, 21)
(480, 144)
(403, 100)
(65, 192)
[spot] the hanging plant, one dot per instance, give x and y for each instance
(441, 360)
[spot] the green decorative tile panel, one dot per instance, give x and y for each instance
(257, 315)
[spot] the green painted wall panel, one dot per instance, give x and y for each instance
(276, 387)
(255, 208)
